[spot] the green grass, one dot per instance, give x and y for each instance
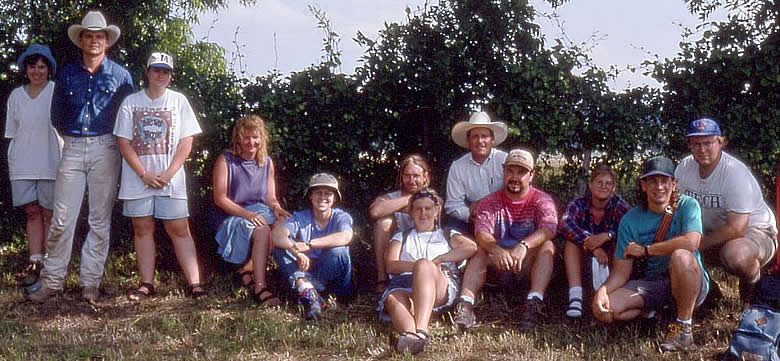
(228, 326)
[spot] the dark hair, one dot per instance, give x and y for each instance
(31, 60)
(418, 160)
(641, 196)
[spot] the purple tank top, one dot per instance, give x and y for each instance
(247, 181)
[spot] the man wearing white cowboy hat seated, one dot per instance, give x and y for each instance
(84, 106)
(477, 173)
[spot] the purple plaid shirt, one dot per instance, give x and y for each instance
(577, 224)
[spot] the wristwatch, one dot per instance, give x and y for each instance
(524, 243)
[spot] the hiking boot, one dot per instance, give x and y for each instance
(30, 274)
(42, 294)
(529, 317)
(464, 315)
(90, 293)
(312, 304)
(679, 337)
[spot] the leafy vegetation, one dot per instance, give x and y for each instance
(417, 79)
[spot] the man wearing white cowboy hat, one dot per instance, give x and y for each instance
(477, 173)
(86, 99)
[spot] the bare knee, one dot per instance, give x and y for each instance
(33, 211)
(143, 227)
(424, 267)
(737, 257)
(682, 260)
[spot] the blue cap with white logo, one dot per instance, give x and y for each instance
(703, 126)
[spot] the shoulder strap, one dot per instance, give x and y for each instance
(404, 236)
(666, 222)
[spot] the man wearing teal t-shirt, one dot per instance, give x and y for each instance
(666, 271)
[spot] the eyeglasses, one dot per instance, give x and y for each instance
(702, 145)
(604, 184)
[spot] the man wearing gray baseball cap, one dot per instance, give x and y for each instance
(657, 261)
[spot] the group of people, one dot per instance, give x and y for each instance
(431, 253)
(642, 260)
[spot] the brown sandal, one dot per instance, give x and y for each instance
(145, 290)
(270, 298)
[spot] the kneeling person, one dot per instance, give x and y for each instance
(312, 247)
(514, 228)
(670, 267)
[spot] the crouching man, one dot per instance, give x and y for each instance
(666, 262)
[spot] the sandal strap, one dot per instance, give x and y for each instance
(149, 287)
(194, 292)
(260, 299)
(422, 332)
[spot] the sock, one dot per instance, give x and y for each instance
(535, 294)
(467, 299)
(684, 322)
(36, 257)
(575, 292)
(305, 285)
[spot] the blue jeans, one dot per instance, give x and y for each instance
(331, 272)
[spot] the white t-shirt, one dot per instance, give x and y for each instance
(730, 188)
(425, 245)
(35, 148)
(154, 128)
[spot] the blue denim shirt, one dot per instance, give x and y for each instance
(85, 104)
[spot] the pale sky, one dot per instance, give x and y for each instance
(284, 34)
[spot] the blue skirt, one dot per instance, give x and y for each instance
(403, 282)
(234, 235)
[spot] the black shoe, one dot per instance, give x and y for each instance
(529, 317)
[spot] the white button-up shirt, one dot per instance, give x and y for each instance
(469, 181)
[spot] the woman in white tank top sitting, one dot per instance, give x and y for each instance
(423, 266)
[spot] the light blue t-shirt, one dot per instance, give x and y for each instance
(303, 228)
(639, 225)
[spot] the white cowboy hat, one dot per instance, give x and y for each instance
(478, 120)
(93, 21)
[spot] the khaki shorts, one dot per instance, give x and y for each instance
(766, 240)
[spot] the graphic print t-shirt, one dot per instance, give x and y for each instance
(154, 128)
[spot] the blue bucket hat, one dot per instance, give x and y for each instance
(37, 49)
(703, 126)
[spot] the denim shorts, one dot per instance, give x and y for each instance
(25, 191)
(162, 207)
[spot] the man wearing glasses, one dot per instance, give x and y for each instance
(738, 224)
